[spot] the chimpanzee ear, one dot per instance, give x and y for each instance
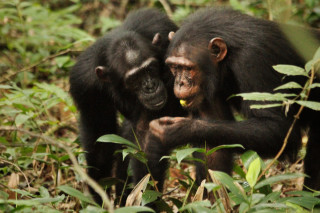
(102, 73)
(170, 35)
(218, 49)
(156, 39)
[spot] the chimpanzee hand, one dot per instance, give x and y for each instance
(170, 129)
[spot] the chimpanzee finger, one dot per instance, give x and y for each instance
(156, 129)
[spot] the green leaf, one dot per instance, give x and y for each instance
(264, 96)
(227, 181)
(310, 104)
(44, 192)
(183, 153)
(278, 178)
(21, 119)
(264, 106)
(224, 147)
(289, 85)
(253, 172)
(248, 157)
(34, 201)
(196, 206)
(314, 85)
(316, 56)
(307, 202)
(112, 138)
(75, 193)
(62, 60)
(149, 196)
(290, 70)
(133, 209)
(212, 187)
(2, 86)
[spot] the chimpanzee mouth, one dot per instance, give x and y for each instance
(187, 102)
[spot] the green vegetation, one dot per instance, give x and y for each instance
(41, 162)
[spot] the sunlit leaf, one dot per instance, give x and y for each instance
(277, 178)
(253, 172)
(310, 104)
(76, 193)
(289, 85)
(133, 209)
(264, 96)
(112, 138)
(183, 153)
(149, 196)
(290, 70)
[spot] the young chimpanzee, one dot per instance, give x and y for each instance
(218, 53)
(123, 71)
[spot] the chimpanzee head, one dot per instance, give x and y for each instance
(133, 64)
(193, 61)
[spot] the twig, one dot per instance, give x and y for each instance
(296, 117)
(83, 175)
(25, 177)
(167, 7)
(36, 64)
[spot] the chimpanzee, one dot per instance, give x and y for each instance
(220, 52)
(123, 71)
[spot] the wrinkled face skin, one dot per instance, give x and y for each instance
(187, 78)
(145, 81)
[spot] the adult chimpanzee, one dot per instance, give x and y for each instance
(218, 53)
(123, 71)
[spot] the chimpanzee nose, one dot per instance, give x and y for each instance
(149, 85)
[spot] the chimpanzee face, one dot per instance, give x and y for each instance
(188, 78)
(134, 66)
(145, 81)
(189, 65)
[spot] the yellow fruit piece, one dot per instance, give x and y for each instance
(183, 103)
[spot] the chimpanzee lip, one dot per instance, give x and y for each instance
(189, 101)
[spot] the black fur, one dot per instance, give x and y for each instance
(99, 96)
(254, 46)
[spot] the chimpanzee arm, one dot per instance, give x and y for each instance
(264, 135)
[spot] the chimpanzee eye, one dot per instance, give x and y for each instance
(187, 68)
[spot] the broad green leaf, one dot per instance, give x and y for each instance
(309, 64)
(278, 178)
(22, 192)
(227, 181)
(264, 96)
(21, 119)
(93, 209)
(34, 201)
(224, 147)
(307, 202)
(310, 104)
(290, 70)
(75, 193)
(248, 157)
(133, 209)
(314, 85)
(149, 196)
(112, 138)
(183, 153)
(289, 85)
(268, 207)
(44, 192)
(317, 54)
(62, 60)
(253, 172)
(2, 86)
(196, 206)
(212, 187)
